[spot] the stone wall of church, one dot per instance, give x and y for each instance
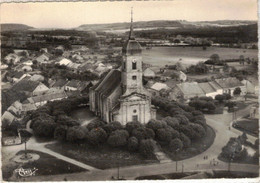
(135, 110)
(128, 73)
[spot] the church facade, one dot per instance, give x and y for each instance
(120, 96)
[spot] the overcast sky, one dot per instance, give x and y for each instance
(73, 14)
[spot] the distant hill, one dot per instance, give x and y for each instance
(164, 24)
(14, 27)
(126, 25)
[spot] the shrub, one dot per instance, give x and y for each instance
(147, 147)
(143, 133)
(155, 124)
(132, 144)
(112, 126)
(172, 122)
(185, 140)
(75, 133)
(130, 126)
(164, 135)
(188, 131)
(199, 131)
(182, 119)
(197, 113)
(66, 120)
(237, 91)
(44, 127)
(118, 138)
(176, 145)
(97, 136)
(95, 124)
(220, 98)
(227, 96)
(60, 132)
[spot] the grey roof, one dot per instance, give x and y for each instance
(229, 82)
(190, 88)
(60, 83)
(206, 87)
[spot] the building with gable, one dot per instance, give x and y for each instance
(120, 95)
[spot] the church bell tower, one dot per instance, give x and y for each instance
(132, 64)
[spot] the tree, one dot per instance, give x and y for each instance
(132, 144)
(220, 98)
(147, 147)
(60, 132)
(112, 126)
(199, 131)
(95, 124)
(143, 133)
(130, 126)
(44, 127)
(237, 91)
(214, 57)
(176, 145)
(118, 138)
(97, 136)
(75, 134)
(164, 135)
(155, 124)
(185, 140)
(172, 122)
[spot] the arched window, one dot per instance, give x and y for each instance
(133, 64)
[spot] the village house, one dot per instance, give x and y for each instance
(250, 87)
(43, 99)
(72, 85)
(37, 77)
(7, 118)
(43, 58)
(18, 76)
(12, 58)
(4, 66)
(15, 108)
(158, 89)
(209, 90)
(30, 88)
(229, 84)
(28, 62)
(59, 84)
(149, 73)
(65, 62)
(186, 91)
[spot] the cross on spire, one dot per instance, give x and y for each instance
(131, 34)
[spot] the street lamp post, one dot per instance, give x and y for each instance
(176, 159)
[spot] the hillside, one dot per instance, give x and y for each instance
(164, 24)
(14, 27)
(126, 25)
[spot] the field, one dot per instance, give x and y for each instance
(161, 56)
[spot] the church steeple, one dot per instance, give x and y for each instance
(131, 33)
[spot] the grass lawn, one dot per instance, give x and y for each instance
(102, 157)
(247, 125)
(197, 147)
(46, 165)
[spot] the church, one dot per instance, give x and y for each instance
(120, 96)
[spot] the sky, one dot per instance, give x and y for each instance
(73, 14)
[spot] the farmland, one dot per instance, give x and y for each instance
(161, 56)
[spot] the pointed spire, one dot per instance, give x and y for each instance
(131, 34)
